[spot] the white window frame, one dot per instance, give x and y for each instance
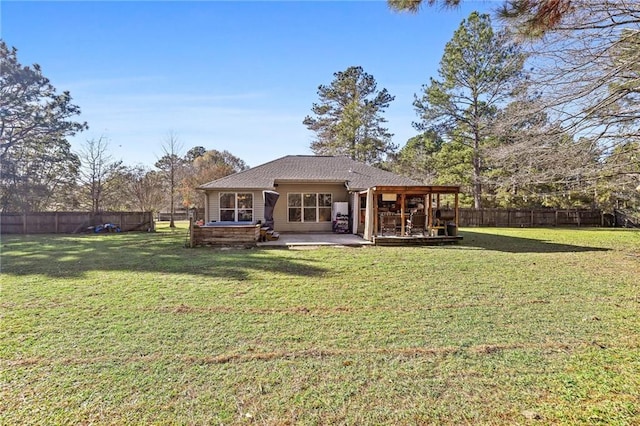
(302, 207)
(236, 209)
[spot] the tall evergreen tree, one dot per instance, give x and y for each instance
(417, 158)
(38, 174)
(37, 167)
(479, 72)
(348, 119)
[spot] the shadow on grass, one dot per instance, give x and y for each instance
(64, 256)
(510, 244)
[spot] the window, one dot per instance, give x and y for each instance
(310, 204)
(324, 207)
(236, 207)
(309, 207)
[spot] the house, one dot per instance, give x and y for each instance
(309, 187)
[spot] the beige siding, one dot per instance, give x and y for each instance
(206, 207)
(280, 215)
(214, 204)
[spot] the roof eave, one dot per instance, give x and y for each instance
(238, 188)
(419, 189)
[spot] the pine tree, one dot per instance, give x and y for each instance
(348, 119)
(480, 72)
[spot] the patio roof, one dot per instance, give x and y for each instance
(417, 189)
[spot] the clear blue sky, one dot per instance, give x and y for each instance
(236, 76)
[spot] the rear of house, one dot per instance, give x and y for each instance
(309, 186)
(311, 192)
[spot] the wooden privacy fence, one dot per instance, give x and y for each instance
(532, 217)
(72, 222)
(181, 215)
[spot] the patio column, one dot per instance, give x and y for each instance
(374, 198)
(430, 211)
(403, 199)
(456, 205)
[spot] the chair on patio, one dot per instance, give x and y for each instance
(416, 224)
(388, 224)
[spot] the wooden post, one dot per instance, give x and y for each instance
(56, 222)
(430, 213)
(191, 232)
(374, 197)
(402, 214)
(456, 207)
(532, 218)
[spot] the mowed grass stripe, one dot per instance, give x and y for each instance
(511, 324)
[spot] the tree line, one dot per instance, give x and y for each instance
(540, 112)
(105, 184)
(40, 172)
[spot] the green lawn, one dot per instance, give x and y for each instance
(511, 326)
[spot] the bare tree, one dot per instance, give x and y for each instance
(98, 169)
(586, 70)
(170, 165)
(144, 189)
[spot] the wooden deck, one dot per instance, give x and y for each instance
(415, 240)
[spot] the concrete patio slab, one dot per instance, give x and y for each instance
(316, 239)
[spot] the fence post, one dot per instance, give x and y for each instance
(532, 213)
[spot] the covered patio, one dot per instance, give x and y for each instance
(397, 215)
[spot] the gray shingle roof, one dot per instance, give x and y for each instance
(310, 168)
